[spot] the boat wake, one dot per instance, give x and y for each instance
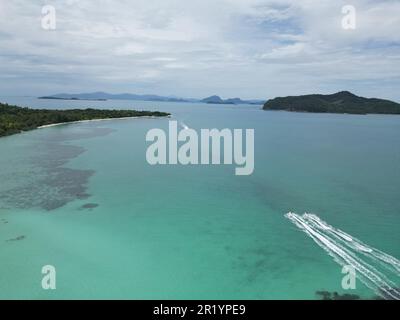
(369, 263)
(183, 125)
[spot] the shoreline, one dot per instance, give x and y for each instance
(93, 120)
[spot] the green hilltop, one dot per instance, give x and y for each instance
(341, 102)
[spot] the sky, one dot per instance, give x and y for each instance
(253, 49)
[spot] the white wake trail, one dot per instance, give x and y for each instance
(183, 125)
(387, 261)
(321, 233)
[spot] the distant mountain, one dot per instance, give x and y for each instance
(146, 97)
(218, 100)
(214, 100)
(341, 102)
(109, 96)
(72, 98)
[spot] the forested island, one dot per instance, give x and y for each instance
(341, 102)
(14, 119)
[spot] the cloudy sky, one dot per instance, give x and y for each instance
(196, 48)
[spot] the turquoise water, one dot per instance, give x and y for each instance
(81, 197)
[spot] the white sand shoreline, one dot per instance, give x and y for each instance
(93, 120)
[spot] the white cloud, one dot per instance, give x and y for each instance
(251, 48)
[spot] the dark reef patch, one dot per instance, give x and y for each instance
(61, 186)
(326, 295)
(89, 206)
(42, 181)
(255, 264)
(19, 238)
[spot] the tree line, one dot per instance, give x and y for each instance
(14, 119)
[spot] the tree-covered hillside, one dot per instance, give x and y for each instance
(15, 119)
(341, 102)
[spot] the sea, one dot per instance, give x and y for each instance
(83, 199)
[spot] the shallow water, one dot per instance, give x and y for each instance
(82, 197)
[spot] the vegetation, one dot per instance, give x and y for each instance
(15, 119)
(341, 102)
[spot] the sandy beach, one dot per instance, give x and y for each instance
(92, 120)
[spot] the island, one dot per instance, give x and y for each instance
(215, 100)
(218, 100)
(341, 102)
(103, 96)
(72, 98)
(14, 119)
